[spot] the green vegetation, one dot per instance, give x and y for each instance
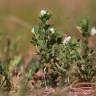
(28, 12)
(61, 56)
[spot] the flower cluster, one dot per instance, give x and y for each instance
(45, 15)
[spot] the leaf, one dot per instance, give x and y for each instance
(16, 61)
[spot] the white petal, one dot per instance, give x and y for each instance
(33, 30)
(52, 30)
(43, 12)
(66, 39)
(93, 31)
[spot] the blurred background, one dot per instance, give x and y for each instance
(18, 16)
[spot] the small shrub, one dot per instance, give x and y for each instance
(86, 68)
(57, 52)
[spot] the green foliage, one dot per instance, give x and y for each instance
(86, 70)
(57, 52)
(45, 38)
(84, 24)
(61, 55)
(8, 64)
(14, 63)
(6, 81)
(35, 66)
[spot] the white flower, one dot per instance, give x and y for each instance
(33, 30)
(82, 67)
(93, 31)
(66, 39)
(52, 30)
(43, 12)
